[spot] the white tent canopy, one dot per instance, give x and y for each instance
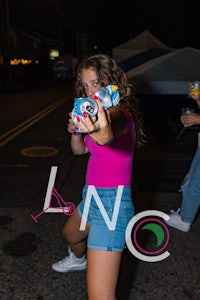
(169, 76)
(136, 45)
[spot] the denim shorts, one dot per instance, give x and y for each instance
(108, 216)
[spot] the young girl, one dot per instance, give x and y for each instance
(111, 141)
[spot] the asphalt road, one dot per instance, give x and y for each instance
(33, 139)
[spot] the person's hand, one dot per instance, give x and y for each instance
(190, 120)
(87, 125)
(100, 130)
(71, 126)
(196, 98)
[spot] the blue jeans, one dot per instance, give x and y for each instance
(191, 190)
(100, 236)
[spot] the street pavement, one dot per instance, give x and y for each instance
(28, 249)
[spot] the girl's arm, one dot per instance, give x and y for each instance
(78, 145)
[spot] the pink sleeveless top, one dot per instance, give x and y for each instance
(111, 165)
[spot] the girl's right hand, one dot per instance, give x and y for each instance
(71, 126)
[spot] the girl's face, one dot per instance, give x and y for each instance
(90, 82)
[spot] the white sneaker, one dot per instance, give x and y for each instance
(70, 263)
(175, 221)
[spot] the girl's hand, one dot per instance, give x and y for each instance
(71, 126)
(100, 130)
(87, 125)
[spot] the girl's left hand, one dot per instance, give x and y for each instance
(100, 130)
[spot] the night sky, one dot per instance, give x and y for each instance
(106, 23)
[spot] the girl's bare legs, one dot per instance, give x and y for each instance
(102, 274)
(77, 242)
(75, 237)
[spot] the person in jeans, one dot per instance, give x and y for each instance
(111, 140)
(185, 215)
